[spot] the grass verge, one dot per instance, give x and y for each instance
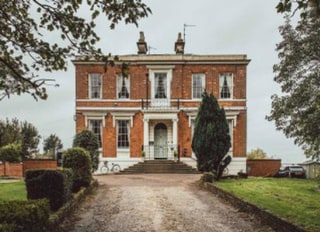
(13, 191)
(296, 200)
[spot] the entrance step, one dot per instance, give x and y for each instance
(160, 166)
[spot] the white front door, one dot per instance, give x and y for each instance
(160, 141)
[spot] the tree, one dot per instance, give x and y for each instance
(257, 154)
(30, 139)
(10, 153)
(211, 140)
(297, 110)
(52, 144)
(23, 133)
(26, 26)
(88, 140)
(285, 6)
(9, 131)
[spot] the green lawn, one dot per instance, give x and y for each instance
(297, 200)
(13, 191)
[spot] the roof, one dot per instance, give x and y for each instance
(165, 59)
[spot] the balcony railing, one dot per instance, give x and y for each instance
(160, 104)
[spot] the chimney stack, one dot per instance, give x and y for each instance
(179, 45)
(142, 45)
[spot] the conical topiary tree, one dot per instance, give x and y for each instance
(89, 141)
(211, 139)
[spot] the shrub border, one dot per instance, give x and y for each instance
(57, 217)
(266, 217)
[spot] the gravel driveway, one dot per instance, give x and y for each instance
(156, 202)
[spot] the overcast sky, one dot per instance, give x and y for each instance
(221, 27)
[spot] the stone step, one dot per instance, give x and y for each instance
(159, 166)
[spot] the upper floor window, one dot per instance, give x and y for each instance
(226, 85)
(198, 85)
(95, 127)
(95, 86)
(123, 133)
(160, 86)
(123, 87)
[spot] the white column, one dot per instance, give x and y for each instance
(145, 132)
(175, 132)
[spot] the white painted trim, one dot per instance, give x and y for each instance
(126, 100)
(94, 116)
(122, 116)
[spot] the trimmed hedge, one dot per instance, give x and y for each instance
(49, 183)
(78, 159)
(27, 216)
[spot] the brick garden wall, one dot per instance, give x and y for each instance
(11, 169)
(263, 167)
(18, 169)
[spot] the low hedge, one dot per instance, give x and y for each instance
(27, 216)
(52, 184)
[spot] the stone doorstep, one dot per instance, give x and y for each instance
(276, 223)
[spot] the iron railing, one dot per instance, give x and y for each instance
(152, 152)
(160, 104)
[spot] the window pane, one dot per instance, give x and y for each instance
(95, 85)
(197, 85)
(95, 127)
(225, 83)
(160, 85)
(123, 134)
(123, 87)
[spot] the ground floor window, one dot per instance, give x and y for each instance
(95, 127)
(123, 133)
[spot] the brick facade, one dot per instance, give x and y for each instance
(144, 116)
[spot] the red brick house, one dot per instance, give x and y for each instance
(154, 108)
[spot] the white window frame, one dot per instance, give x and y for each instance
(229, 78)
(91, 86)
(128, 131)
(119, 86)
(153, 69)
(202, 77)
(100, 129)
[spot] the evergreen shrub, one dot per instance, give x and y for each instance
(78, 159)
(54, 185)
(27, 216)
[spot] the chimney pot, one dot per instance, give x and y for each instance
(179, 45)
(142, 45)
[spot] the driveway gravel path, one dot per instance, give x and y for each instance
(156, 202)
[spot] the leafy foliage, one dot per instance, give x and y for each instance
(23, 133)
(78, 159)
(89, 141)
(54, 185)
(11, 153)
(9, 131)
(26, 26)
(28, 216)
(285, 6)
(257, 154)
(30, 139)
(211, 140)
(297, 111)
(52, 144)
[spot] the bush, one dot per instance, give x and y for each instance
(27, 216)
(48, 183)
(207, 177)
(78, 159)
(11, 152)
(4, 227)
(89, 141)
